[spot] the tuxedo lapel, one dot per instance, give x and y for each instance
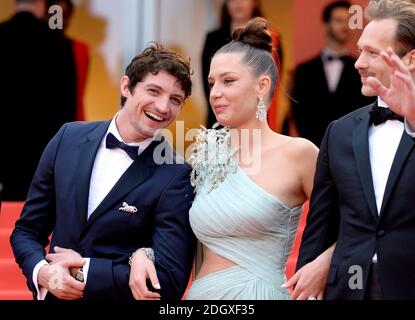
(88, 151)
(321, 74)
(404, 149)
(361, 156)
(137, 173)
(344, 79)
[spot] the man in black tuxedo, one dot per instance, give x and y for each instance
(37, 93)
(363, 196)
(327, 87)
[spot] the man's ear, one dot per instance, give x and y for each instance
(124, 82)
(411, 60)
(264, 85)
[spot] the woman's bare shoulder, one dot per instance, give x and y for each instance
(295, 147)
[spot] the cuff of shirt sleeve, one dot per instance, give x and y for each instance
(85, 268)
(41, 292)
(409, 130)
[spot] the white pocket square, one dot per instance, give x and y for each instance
(127, 208)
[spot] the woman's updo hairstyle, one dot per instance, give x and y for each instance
(254, 41)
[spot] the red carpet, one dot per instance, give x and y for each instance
(12, 282)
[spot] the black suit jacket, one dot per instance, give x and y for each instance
(58, 201)
(37, 96)
(315, 107)
(343, 209)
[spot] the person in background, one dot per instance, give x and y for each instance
(236, 14)
(81, 55)
(37, 95)
(327, 87)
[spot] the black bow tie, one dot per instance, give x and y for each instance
(380, 115)
(334, 58)
(112, 142)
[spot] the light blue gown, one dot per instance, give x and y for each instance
(249, 226)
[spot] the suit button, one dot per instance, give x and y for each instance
(380, 233)
(82, 253)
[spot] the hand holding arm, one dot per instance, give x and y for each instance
(64, 256)
(310, 280)
(142, 268)
(68, 257)
(58, 281)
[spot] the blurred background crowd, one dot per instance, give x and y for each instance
(49, 77)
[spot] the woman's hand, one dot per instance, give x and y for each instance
(310, 281)
(141, 270)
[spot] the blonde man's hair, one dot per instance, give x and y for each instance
(403, 12)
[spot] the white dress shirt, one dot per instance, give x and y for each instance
(384, 140)
(109, 166)
(332, 68)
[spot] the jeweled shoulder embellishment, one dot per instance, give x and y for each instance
(212, 157)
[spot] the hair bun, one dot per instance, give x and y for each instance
(255, 34)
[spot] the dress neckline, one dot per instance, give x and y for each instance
(262, 190)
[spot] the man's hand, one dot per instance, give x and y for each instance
(57, 280)
(63, 255)
(66, 257)
(400, 96)
(141, 270)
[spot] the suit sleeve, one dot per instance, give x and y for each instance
(31, 233)
(323, 219)
(173, 245)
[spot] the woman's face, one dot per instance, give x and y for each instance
(233, 90)
(241, 11)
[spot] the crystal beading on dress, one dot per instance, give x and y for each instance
(212, 157)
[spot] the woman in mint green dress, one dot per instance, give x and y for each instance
(250, 182)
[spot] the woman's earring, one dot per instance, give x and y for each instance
(261, 110)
